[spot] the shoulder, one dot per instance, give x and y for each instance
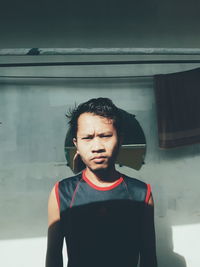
(139, 190)
(65, 184)
(71, 181)
(64, 190)
(134, 182)
(53, 207)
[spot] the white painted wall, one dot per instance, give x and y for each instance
(32, 159)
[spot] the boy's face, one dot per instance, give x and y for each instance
(97, 141)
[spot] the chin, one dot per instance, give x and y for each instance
(102, 168)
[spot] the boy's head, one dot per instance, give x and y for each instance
(96, 130)
(103, 107)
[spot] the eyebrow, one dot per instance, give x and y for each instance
(105, 133)
(102, 133)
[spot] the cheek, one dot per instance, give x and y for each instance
(82, 149)
(114, 145)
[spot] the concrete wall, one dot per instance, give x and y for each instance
(33, 125)
(33, 128)
(90, 23)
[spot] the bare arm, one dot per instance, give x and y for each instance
(55, 236)
(148, 243)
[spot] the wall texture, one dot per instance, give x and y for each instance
(33, 128)
(33, 125)
(91, 23)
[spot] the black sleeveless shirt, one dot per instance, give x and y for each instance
(102, 225)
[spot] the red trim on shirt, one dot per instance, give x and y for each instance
(104, 188)
(73, 197)
(57, 194)
(148, 193)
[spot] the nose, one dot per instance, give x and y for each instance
(97, 145)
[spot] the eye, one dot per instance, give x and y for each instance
(106, 135)
(87, 137)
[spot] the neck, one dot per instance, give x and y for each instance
(105, 177)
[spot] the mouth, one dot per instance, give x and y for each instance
(99, 159)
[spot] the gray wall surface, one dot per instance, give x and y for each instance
(91, 23)
(33, 128)
(33, 123)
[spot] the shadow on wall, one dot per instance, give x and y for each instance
(180, 152)
(131, 153)
(165, 248)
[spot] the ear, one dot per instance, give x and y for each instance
(75, 143)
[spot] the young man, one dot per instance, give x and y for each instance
(106, 217)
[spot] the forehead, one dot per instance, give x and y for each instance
(88, 122)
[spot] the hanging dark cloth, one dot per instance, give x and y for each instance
(178, 108)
